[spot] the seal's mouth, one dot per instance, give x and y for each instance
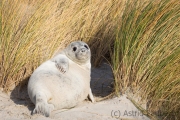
(83, 56)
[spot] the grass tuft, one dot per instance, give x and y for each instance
(146, 55)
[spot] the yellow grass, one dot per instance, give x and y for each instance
(146, 55)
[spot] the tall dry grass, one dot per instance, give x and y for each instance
(146, 55)
(139, 37)
(33, 30)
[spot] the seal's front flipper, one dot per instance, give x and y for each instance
(61, 63)
(90, 95)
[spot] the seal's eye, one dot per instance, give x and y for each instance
(74, 49)
(86, 46)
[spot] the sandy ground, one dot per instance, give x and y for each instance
(17, 104)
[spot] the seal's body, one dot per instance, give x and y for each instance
(63, 81)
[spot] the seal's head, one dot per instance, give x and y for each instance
(78, 52)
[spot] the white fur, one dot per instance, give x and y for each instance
(49, 89)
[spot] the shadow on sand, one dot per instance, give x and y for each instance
(20, 95)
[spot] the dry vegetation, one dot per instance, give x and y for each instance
(141, 38)
(147, 54)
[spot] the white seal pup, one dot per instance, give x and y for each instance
(63, 81)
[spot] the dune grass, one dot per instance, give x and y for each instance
(141, 38)
(33, 31)
(146, 55)
(25, 34)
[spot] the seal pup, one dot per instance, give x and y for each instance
(63, 81)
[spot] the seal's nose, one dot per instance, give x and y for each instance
(83, 50)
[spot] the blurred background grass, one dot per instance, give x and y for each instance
(140, 38)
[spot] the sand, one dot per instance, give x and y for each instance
(17, 105)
